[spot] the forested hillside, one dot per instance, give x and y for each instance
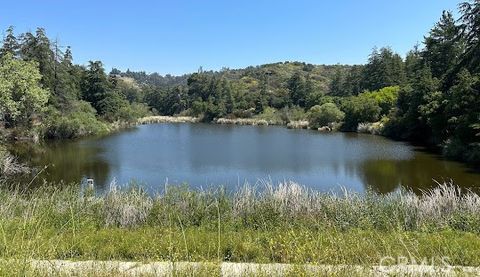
(237, 92)
(432, 95)
(44, 94)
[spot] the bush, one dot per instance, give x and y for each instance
(320, 99)
(386, 98)
(243, 113)
(207, 111)
(375, 128)
(323, 115)
(271, 115)
(359, 109)
(294, 113)
(132, 112)
(315, 98)
(79, 123)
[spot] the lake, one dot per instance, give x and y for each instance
(206, 155)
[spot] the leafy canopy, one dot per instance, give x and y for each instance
(21, 95)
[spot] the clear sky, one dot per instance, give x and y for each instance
(178, 36)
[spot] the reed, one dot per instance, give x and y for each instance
(168, 119)
(444, 207)
(375, 128)
(245, 121)
(265, 222)
(9, 164)
(298, 124)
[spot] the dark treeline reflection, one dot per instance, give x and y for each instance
(212, 155)
(64, 162)
(418, 174)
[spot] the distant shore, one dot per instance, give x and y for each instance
(168, 119)
(297, 124)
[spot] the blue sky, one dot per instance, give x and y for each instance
(178, 36)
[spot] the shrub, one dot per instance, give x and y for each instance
(386, 98)
(243, 113)
(359, 109)
(374, 128)
(132, 112)
(271, 115)
(79, 123)
(320, 116)
(294, 113)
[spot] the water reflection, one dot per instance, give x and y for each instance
(420, 173)
(202, 155)
(69, 162)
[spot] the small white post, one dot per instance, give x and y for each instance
(90, 183)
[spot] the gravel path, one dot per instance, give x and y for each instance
(62, 267)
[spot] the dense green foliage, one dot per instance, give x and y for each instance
(439, 102)
(238, 93)
(21, 95)
(41, 87)
(325, 114)
(359, 109)
(80, 122)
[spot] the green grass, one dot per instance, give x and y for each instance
(280, 246)
(280, 224)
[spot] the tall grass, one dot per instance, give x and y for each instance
(445, 207)
(375, 128)
(298, 124)
(245, 121)
(286, 223)
(9, 164)
(167, 119)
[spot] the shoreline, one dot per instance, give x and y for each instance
(297, 124)
(167, 119)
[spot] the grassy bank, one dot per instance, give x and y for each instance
(245, 121)
(300, 124)
(281, 224)
(167, 119)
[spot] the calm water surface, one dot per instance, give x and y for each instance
(205, 155)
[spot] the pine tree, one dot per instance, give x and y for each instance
(10, 44)
(470, 18)
(38, 48)
(384, 68)
(67, 83)
(297, 87)
(337, 83)
(443, 46)
(95, 84)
